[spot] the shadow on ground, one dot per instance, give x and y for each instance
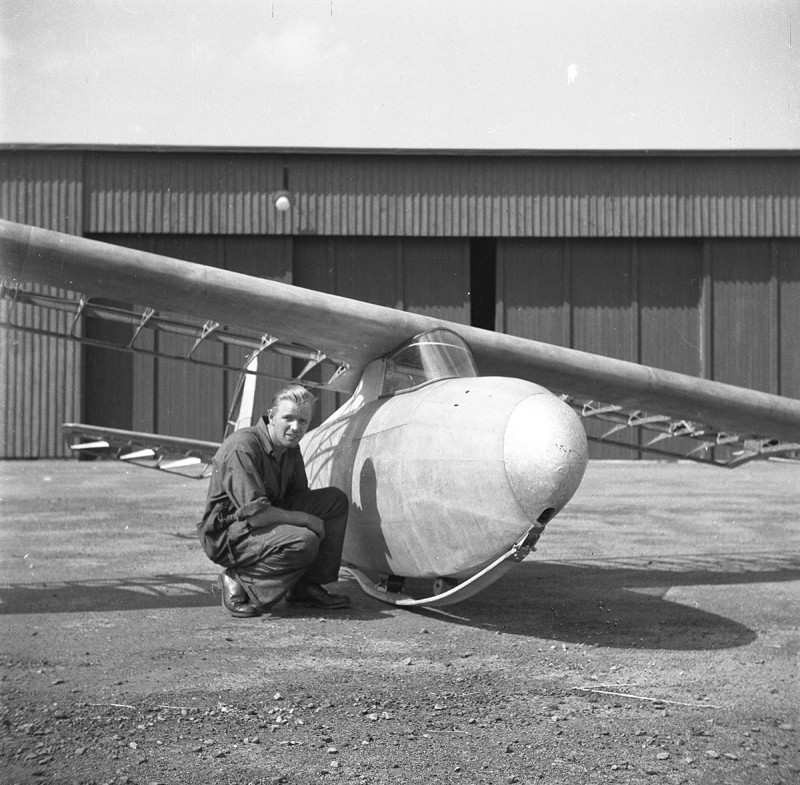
(607, 602)
(615, 604)
(136, 594)
(111, 594)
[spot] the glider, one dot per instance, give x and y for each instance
(456, 445)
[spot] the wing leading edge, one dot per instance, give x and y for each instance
(626, 395)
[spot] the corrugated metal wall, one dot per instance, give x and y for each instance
(431, 195)
(445, 196)
(40, 377)
(421, 275)
(684, 262)
(41, 385)
(788, 266)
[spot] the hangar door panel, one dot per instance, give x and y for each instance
(671, 281)
(120, 387)
(424, 276)
(578, 294)
(604, 315)
(745, 327)
(143, 393)
(189, 397)
(788, 256)
(670, 296)
(603, 299)
(262, 257)
(435, 275)
(110, 377)
(533, 298)
(419, 275)
(169, 396)
(362, 268)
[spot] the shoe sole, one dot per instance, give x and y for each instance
(323, 606)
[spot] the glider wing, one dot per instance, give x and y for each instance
(717, 422)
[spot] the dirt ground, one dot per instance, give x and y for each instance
(653, 637)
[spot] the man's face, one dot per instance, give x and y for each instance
(288, 423)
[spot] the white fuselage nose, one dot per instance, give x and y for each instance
(545, 453)
(445, 477)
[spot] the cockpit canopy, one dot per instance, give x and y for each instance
(428, 357)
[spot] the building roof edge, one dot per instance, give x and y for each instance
(390, 151)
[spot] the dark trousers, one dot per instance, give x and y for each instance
(272, 559)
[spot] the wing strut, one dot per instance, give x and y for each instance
(690, 441)
(148, 319)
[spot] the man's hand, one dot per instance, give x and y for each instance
(309, 521)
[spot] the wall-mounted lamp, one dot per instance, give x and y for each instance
(283, 199)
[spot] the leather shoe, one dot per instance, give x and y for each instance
(234, 598)
(314, 596)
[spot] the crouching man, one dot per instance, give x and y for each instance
(273, 535)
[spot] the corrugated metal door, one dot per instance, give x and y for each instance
(160, 395)
(533, 290)
(637, 301)
(604, 313)
(745, 349)
(169, 396)
(435, 277)
(671, 284)
(314, 266)
(670, 275)
(788, 263)
(579, 294)
(119, 386)
(263, 257)
(428, 276)
(190, 398)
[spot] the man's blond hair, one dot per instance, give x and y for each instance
(296, 394)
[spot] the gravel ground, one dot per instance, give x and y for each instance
(653, 637)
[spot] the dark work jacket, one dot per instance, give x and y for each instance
(246, 479)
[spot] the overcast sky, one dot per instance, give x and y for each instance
(507, 74)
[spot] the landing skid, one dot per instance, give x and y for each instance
(384, 590)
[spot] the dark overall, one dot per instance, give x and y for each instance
(267, 561)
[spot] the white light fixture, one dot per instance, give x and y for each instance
(282, 201)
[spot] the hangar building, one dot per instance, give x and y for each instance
(688, 261)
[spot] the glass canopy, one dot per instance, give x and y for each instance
(433, 355)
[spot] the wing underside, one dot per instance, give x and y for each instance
(673, 414)
(145, 322)
(660, 435)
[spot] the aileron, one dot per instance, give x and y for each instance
(173, 454)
